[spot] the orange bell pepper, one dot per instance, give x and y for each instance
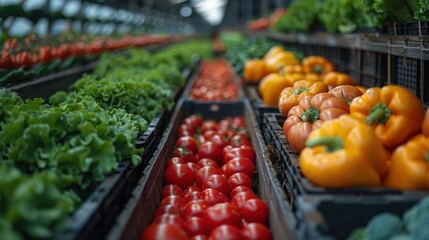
(393, 111)
(347, 92)
(254, 70)
(290, 96)
(277, 58)
(344, 152)
(318, 65)
(425, 125)
(409, 165)
(334, 79)
(309, 114)
(271, 86)
(312, 77)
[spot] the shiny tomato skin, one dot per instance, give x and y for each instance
(219, 140)
(179, 174)
(192, 188)
(185, 154)
(169, 209)
(240, 179)
(209, 134)
(226, 232)
(200, 139)
(174, 160)
(239, 152)
(209, 125)
(256, 231)
(192, 196)
(164, 231)
(170, 218)
(239, 189)
(195, 208)
(239, 164)
(222, 213)
(193, 166)
(187, 142)
(239, 140)
(203, 162)
(174, 200)
(211, 150)
(185, 130)
(213, 196)
(194, 121)
(255, 210)
(240, 199)
(195, 226)
(218, 182)
(172, 189)
(199, 237)
(205, 172)
(226, 149)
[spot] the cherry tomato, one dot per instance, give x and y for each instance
(174, 160)
(185, 154)
(185, 130)
(164, 231)
(239, 152)
(238, 122)
(61, 52)
(209, 134)
(238, 140)
(170, 218)
(195, 208)
(10, 44)
(45, 54)
(200, 139)
(240, 199)
(209, 125)
(255, 210)
(174, 200)
(240, 179)
(218, 182)
(179, 174)
(256, 231)
(219, 140)
(170, 209)
(6, 60)
(239, 164)
(187, 142)
(225, 134)
(193, 166)
(192, 188)
(195, 226)
(205, 172)
(213, 196)
(22, 59)
(203, 162)
(172, 189)
(193, 121)
(222, 213)
(239, 189)
(210, 150)
(226, 149)
(199, 237)
(192, 196)
(226, 232)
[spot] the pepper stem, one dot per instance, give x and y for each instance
(427, 156)
(318, 69)
(331, 144)
(300, 90)
(379, 114)
(310, 115)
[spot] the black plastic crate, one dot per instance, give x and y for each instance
(413, 28)
(138, 212)
(406, 72)
(352, 61)
(425, 83)
(336, 55)
(373, 69)
(259, 107)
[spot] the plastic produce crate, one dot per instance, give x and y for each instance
(259, 107)
(137, 214)
(407, 72)
(334, 213)
(413, 28)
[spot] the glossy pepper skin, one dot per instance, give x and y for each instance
(342, 153)
(290, 96)
(409, 165)
(277, 58)
(271, 86)
(425, 125)
(309, 114)
(346, 92)
(334, 79)
(318, 65)
(393, 111)
(254, 70)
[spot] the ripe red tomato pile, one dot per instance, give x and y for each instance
(207, 191)
(214, 82)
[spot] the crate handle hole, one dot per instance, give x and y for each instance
(214, 107)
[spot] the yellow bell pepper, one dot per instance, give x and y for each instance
(271, 86)
(254, 70)
(344, 152)
(277, 58)
(393, 111)
(290, 96)
(334, 79)
(409, 165)
(318, 65)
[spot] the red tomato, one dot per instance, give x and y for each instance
(209, 125)
(243, 131)
(205, 172)
(195, 226)
(213, 196)
(194, 121)
(179, 174)
(192, 196)
(238, 140)
(240, 179)
(193, 166)
(225, 134)
(210, 150)
(61, 52)
(200, 139)
(218, 182)
(170, 209)
(219, 140)
(226, 232)
(222, 213)
(78, 49)
(164, 231)
(240, 199)
(203, 162)
(238, 122)
(239, 189)
(6, 60)
(255, 210)
(195, 208)
(225, 124)
(192, 189)
(239, 152)
(226, 149)
(185, 130)
(172, 189)
(174, 160)
(256, 231)
(45, 54)
(209, 134)
(185, 154)
(199, 237)
(170, 218)
(187, 142)
(174, 200)
(239, 164)
(22, 59)
(10, 44)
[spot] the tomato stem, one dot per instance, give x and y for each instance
(318, 69)
(310, 115)
(379, 114)
(331, 144)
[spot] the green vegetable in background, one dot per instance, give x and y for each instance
(300, 16)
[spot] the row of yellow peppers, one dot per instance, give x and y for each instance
(348, 136)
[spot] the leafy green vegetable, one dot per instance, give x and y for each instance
(301, 14)
(383, 226)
